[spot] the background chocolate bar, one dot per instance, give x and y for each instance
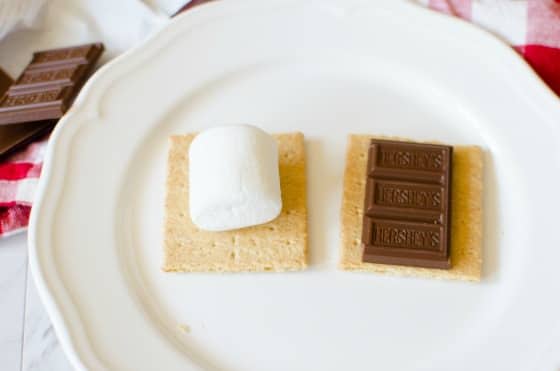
(48, 86)
(407, 204)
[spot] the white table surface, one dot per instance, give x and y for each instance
(27, 339)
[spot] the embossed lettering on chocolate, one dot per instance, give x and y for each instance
(407, 211)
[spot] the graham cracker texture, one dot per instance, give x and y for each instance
(280, 245)
(466, 215)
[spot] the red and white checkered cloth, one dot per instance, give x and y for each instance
(532, 27)
(19, 174)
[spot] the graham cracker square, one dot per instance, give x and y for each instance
(466, 215)
(280, 245)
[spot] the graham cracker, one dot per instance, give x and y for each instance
(280, 245)
(466, 215)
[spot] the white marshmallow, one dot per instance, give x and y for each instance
(234, 179)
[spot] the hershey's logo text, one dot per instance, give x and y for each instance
(410, 159)
(406, 237)
(407, 196)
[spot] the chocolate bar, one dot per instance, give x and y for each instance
(5, 82)
(407, 210)
(48, 86)
(14, 137)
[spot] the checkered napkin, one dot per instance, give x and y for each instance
(19, 174)
(532, 27)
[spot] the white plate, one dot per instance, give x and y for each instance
(326, 68)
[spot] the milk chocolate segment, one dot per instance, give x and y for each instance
(82, 54)
(409, 161)
(405, 200)
(37, 78)
(407, 204)
(47, 87)
(17, 107)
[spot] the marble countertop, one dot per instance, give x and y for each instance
(27, 339)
